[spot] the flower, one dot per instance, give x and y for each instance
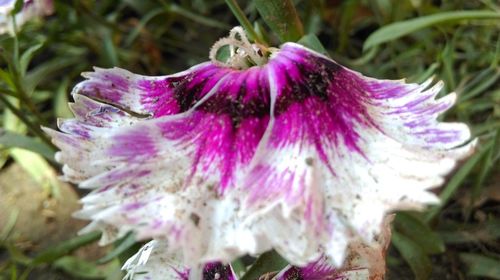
(273, 148)
(31, 9)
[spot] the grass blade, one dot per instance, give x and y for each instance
(413, 255)
(481, 266)
(402, 28)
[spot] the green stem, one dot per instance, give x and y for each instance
(35, 129)
(17, 77)
(242, 18)
(25, 98)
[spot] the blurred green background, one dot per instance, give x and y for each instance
(456, 41)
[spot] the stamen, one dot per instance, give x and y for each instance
(242, 53)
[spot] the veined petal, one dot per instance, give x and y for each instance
(345, 148)
(176, 165)
(150, 96)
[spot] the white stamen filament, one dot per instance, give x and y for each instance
(240, 50)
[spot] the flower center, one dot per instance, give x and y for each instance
(236, 51)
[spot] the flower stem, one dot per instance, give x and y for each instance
(35, 129)
(242, 18)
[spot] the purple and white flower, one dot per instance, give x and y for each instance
(274, 148)
(31, 9)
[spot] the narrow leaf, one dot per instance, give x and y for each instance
(14, 140)
(413, 255)
(18, 6)
(402, 28)
(79, 268)
(282, 18)
(418, 231)
(66, 247)
(27, 56)
(268, 262)
(123, 245)
(481, 266)
(312, 41)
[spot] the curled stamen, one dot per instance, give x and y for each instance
(238, 30)
(241, 51)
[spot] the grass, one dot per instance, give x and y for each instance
(455, 41)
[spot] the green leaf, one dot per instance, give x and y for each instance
(487, 165)
(282, 18)
(311, 41)
(17, 255)
(413, 255)
(418, 231)
(60, 101)
(14, 140)
(110, 51)
(347, 11)
(123, 245)
(46, 70)
(402, 28)
(480, 85)
(27, 56)
(268, 262)
(481, 266)
(79, 268)
(208, 21)
(18, 7)
(484, 232)
(238, 267)
(65, 247)
(6, 77)
(142, 23)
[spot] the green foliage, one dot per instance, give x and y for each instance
(481, 266)
(62, 249)
(454, 41)
(282, 18)
(267, 262)
(395, 30)
(414, 255)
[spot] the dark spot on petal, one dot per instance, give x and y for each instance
(194, 218)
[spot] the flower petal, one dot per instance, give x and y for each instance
(176, 166)
(364, 261)
(154, 96)
(153, 261)
(343, 147)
